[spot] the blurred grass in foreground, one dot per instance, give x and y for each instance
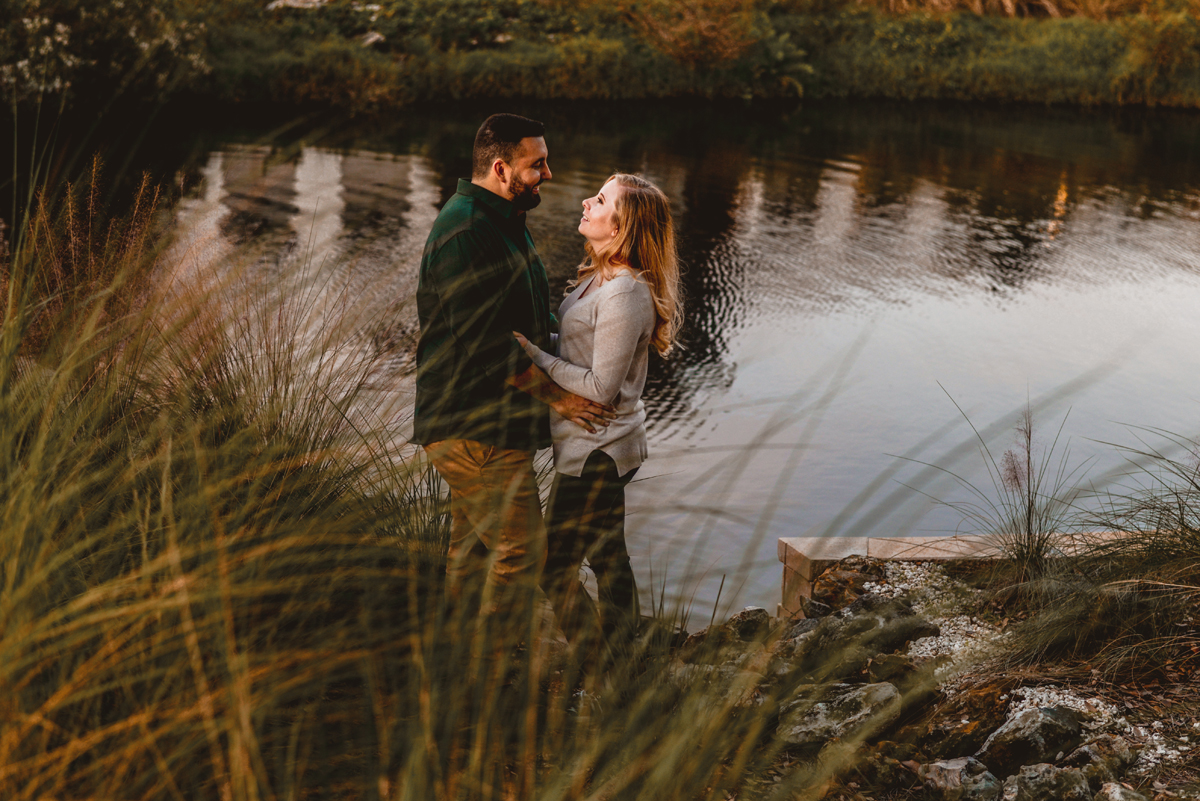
(217, 582)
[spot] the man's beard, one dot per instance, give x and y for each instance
(524, 198)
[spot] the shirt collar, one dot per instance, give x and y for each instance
(505, 208)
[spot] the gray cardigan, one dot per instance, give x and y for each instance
(603, 351)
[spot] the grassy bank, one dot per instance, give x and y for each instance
(1142, 58)
(384, 55)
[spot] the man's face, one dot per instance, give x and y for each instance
(526, 173)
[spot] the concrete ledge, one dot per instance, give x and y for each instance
(805, 558)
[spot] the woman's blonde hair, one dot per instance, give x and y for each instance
(645, 241)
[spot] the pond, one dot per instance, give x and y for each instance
(862, 278)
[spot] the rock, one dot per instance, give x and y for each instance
(884, 773)
(800, 628)
(725, 686)
(902, 752)
(961, 724)
(1103, 760)
(841, 712)
(842, 583)
(751, 623)
(1044, 782)
(917, 684)
(1029, 737)
(729, 642)
(1111, 791)
(841, 645)
(895, 668)
(813, 609)
(962, 779)
(711, 646)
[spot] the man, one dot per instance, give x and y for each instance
(481, 405)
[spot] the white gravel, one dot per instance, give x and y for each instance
(1098, 715)
(1157, 749)
(926, 583)
(965, 638)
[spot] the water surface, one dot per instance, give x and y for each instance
(855, 274)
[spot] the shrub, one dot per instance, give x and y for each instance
(143, 48)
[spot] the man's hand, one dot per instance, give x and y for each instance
(583, 412)
(579, 410)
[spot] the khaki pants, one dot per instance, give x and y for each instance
(497, 537)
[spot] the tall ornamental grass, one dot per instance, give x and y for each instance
(218, 580)
(1131, 603)
(206, 590)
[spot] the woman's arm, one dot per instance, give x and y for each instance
(621, 320)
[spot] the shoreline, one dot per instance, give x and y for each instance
(965, 724)
(361, 61)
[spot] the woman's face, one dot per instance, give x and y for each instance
(599, 222)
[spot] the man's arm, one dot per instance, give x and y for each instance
(579, 410)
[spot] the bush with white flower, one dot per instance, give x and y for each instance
(57, 47)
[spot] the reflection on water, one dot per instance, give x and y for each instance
(848, 267)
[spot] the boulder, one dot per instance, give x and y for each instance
(752, 623)
(962, 722)
(842, 583)
(1111, 791)
(1103, 760)
(894, 668)
(962, 779)
(918, 684)
(728, 642)
(1044, 782)
(800, 628)
(1029, 737)
(840, 711)
(811, 608)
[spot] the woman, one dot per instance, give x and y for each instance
(624, 301)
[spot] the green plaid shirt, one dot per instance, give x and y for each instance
(481, 279)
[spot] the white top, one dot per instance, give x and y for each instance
(603, 352)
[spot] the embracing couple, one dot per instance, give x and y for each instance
(495, 384)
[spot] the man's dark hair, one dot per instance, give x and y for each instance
(498, 138)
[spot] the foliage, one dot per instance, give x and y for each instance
(1162, 62)
(1029, 511)
(372, 56)
(69, 255)
(698, 31)
(963, 56)
(715, 48)
(1127, 594)
(197, 544)
(147, 48)
(366, 56)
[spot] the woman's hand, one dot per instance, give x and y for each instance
(521, 340)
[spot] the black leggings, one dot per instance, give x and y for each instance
(585, 519)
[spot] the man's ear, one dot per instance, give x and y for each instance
(498, 169)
